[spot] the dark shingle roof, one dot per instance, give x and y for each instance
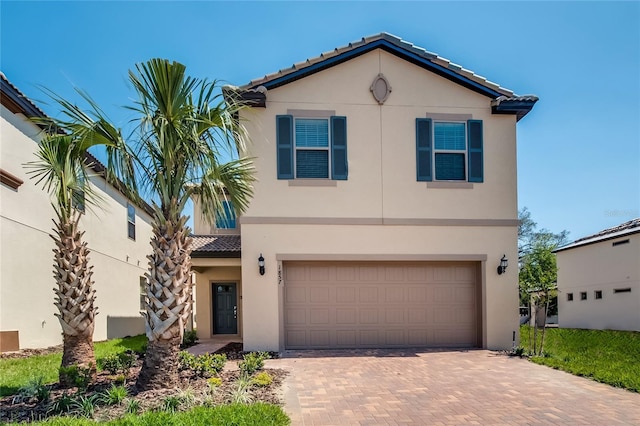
(626, 228)
(215, 246)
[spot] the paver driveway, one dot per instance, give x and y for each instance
(387, 387)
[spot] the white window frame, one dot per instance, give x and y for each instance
(311, 148)
(131, 222)
(450, 151)
(143, 294)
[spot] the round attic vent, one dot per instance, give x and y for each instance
(380, 88)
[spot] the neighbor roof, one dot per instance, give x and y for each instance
(624, 229)
(18, 103)
(215, 246)
(506, 102)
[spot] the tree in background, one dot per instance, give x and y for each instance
(538, 270)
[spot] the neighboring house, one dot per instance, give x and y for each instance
(385, 200)
(599, 280)
(118, 235)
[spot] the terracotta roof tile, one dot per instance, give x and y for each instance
(215, 243)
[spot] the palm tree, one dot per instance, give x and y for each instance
(62, 169)
(184, 128)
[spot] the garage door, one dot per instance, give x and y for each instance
(379, 305)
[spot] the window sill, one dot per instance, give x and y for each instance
(313, 182)
(450, 185)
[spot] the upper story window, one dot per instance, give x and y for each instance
(226, 220)
(449, 150)
(311, 147)
(131, 221)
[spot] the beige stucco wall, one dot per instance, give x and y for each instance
(210, 271)
(26, 282)
(381, 211)
(603, 267)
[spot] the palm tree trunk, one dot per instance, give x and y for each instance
(75, 297)
(169, 303)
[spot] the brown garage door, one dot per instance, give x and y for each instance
(378, 305)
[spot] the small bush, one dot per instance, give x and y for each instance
(171, 404)
(35, 388)
(117, 363)
(214, 382)
(262, 379)
(61, 405)
(205, 365)
(84, 405)
(252, 362)
(189, 338)
(241, 395)
(114, 396)
(80, 377)
(133, 406)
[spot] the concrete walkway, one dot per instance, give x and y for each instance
(386, 387)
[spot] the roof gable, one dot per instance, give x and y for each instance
(504, 101)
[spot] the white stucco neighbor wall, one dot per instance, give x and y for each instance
(26, 258)
(600, 267)
(381, 212)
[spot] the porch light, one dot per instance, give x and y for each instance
(504, 262)
(261, 264)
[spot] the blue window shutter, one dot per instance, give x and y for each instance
(284, 139)
(339, 165)
(423, 149)
(474, 151)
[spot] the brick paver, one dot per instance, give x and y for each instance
(387, 387)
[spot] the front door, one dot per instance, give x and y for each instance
(225, 308)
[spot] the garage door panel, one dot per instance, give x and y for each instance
(346, 316)
(345, 294)
(351, 305)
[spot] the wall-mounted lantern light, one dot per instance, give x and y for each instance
(261, 264)
(504, 262)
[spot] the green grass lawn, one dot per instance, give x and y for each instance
(607, 356)
(223, 415)
(15, 373)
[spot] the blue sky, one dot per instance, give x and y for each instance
(578, 150)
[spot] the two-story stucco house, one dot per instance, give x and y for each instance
(385, 200)
(117, 233)
(599, 280)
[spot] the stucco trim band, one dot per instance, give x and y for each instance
(280, 257)
(448, 117)
(449, 185)
(374, 221)
(313, 182)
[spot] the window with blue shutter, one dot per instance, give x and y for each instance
(312, 148)
(227, 218)
(449, 151)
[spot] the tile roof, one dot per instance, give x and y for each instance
(18, 102)
(443, 63)
(210, 245)
(626, 228)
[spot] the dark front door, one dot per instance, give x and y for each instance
(225, 309)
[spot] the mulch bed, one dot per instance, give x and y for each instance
(192, 391)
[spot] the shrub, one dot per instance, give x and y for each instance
(35, 388)
(133, 406)
(115, 395)
(79, 376)
(241, 395)
(252, 362)
(214, 382)
(205, 365)
(84, 405)
(171, 404)
(61, 405)
(118, 363)
(262, 379)
(189, 338)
